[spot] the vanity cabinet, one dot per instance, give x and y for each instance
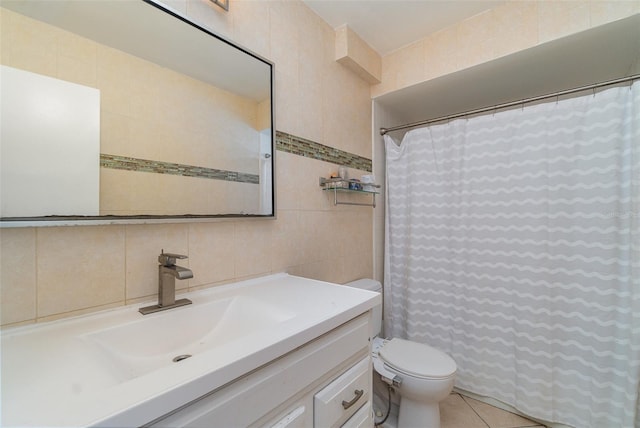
(324, 383)
(275, 351)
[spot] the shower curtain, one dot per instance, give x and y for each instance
(513, 244)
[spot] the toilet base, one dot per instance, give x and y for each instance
(414, 414)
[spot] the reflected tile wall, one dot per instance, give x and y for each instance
(145, 110)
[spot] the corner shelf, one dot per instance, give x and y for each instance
(337, 185)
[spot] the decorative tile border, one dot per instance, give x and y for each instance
(158, 167)
(310, 149)
(284, 142)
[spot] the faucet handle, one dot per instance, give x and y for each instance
(169, 259)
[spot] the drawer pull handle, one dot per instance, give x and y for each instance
(347, 404)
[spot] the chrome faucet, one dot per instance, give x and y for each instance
(168, 271)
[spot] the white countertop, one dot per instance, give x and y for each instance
(56, 373)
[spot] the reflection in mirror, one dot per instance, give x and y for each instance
(185, 122)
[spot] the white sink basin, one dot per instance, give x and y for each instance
(140, 347)
(115, 368)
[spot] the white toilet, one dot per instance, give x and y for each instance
(422, 375)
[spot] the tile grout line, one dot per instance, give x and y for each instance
(474, 411)
(535, 424)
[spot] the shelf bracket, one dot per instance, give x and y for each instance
(361, 204)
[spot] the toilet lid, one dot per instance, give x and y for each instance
(417, 359)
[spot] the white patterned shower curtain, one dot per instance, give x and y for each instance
(513, 244)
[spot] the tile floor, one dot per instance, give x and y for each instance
(458, 411)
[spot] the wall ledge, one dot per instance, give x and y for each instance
(355, 54)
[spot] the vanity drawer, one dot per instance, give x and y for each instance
(293, 419)
(336, 402)
(362, 419)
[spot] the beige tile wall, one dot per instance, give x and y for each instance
(511, 27)
(55, 272)
(48, 273)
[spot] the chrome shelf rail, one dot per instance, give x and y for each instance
(337, 186)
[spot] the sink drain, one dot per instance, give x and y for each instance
(181, 357)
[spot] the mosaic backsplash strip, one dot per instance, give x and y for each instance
(145, 165)
(307, 148)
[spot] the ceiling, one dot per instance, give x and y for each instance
(387, 25)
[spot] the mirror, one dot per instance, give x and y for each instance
(130, 113)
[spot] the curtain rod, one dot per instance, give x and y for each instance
(383, 131)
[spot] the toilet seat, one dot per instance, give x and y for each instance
(417, 359)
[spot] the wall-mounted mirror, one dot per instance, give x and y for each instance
(125, 111)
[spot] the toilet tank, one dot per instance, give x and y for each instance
(371, 285)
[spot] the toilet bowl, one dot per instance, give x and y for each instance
(421, 375)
